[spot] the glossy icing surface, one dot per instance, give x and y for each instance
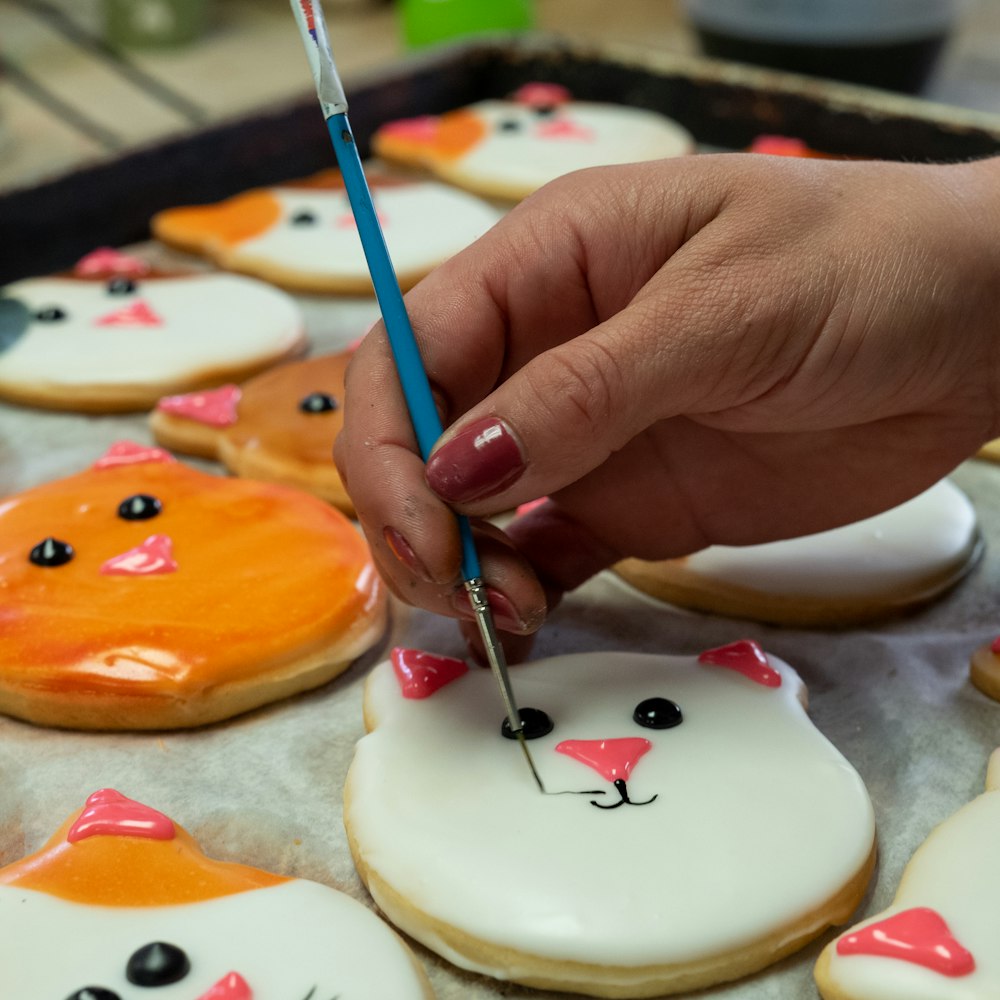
(168, 328)
(955, 873)
(270, 420)
(214, 407)
(423, 223)
(264, 576)
(243, 932)
(513, 143)
(923, 538)
(750, 818)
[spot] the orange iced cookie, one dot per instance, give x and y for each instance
(143, 594)
(279, 427)
(128, 904)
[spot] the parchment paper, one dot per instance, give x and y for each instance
(265, 788)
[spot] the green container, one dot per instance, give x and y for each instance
(153, 23)
(425, 22)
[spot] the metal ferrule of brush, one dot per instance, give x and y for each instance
(476, 589)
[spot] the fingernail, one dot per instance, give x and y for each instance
(404, 553)
(478, 462)
(504, 613)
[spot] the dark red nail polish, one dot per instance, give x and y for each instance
(478, 462)
(404, 553)
(504, 613)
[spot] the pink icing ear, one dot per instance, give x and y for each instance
(110, 814)
(153, 557)
(919, 936)
(530, 505)
(420, 674)
(230, 987)
(130, 453)
(214, 407)
(746, 657)
(105, 260)
(542, 95)
(136, 314)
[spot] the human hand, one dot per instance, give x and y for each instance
(706, 350)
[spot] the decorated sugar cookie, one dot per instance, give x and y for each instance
(114, 334)
(938, 939)
(507, 149)
(695, 826)
(121, 904)
(143, 594)
(985, 668)
(302, 235)
(861, 572)
(279, 426)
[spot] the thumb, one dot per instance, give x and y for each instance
(568, 409)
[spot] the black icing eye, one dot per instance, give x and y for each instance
(536, 723)
(658, 713)
(157, 964)
(94, 993)
(303, 219)
(139, 507)
(318, 402)
(545, 110)
(121, 286)
(51, 552)
(51, 314)
(509, 125)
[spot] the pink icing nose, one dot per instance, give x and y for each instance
(421, 129)
(153, 556)
(137, 314)
(611, 759)
(563, 128)
(230, 987)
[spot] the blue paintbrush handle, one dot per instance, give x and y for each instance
(412, 376)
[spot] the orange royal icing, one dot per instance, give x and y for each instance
(131, 871)
(265, 575)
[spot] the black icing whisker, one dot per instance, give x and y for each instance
(624, 800)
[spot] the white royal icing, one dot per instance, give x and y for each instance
(919, 542)
(758, 819)
(205, 322)
(534, 153)
(284, 940)
(423, 224)
(955, 872)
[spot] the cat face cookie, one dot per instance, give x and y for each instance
(938, 939)
(279, 426)
(695, 825)
(121, 904)
(302, 235)
(115, 335)
(870, 570)
(143, 594)
(507, 149)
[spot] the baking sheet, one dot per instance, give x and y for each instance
(265, 788)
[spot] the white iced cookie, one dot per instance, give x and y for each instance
(938, 940)
(695, 825)
(116, 335)
(302, 235)
(121, 904)
(507, 149)
(865, 571)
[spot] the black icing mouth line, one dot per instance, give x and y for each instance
(311, 995)
(624, 800)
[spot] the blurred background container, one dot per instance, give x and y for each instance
(893, 44)
(425, 22)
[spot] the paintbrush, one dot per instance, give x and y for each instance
(405, 352)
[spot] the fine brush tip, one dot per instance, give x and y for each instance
(531, 763)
